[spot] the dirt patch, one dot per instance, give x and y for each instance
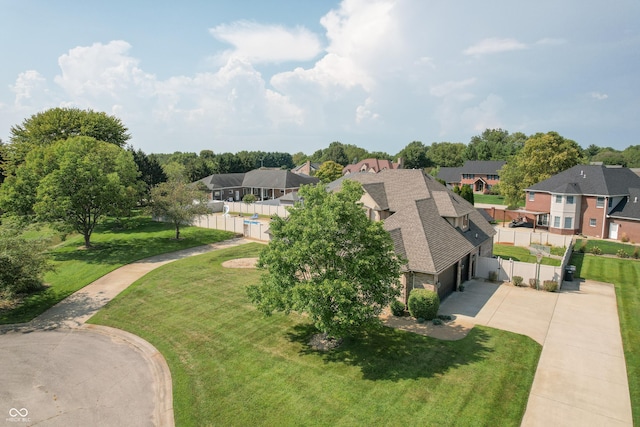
(451, 330)
(241, 263)
(323, 342)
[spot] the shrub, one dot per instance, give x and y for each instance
(437, 321)
(636, 252)
(22, 264)
(397, 308)
(493, 276)
(624, 237)
(533, 283)
(249, 198)
(424, 304)
(622, 254)
(517, 280)
(444, 317)
(550, 285)
(596, 250)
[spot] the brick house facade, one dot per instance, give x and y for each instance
(592, 200)
(480, 175)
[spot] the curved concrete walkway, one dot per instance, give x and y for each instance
(59, 371)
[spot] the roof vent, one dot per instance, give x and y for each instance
(635, 199)
(584, 176)
(581, 172)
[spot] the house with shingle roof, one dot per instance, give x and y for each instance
(593, 200)
(480, 175)
(440, 234)
(263, 183)
(371, 166)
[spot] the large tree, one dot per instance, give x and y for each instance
(494, 144)
(329, 171)
(57, 124)
(414, 156)
(328, 260)
(543, 155)
(178, 202)
(72, 184)
(151, 173)
(446, 154)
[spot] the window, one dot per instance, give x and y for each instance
(600, 202)
(569, 200)
(556, 222)
(543, 219)
(592, 222)
(230, 191)
(558, 199)
(568, 222)
(465, 222)
(532, 196)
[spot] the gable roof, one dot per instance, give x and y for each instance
(258, 178)
(276, 178)
(479, 167)
(594, 180)
(483, 167)
(450, 175)
(224, 180)
(629, 207)
(419, 206)
(377, 165)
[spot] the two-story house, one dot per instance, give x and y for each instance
(372, 166)
(439, 233)
(593, 200)
(480, 175)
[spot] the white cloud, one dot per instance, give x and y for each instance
(494, 45)
(267, 43)
(101, 70)
(28, 85)
(599, 96)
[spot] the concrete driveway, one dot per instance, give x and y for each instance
(58, 371)
(581, 378)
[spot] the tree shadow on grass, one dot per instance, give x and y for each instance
(389, 354)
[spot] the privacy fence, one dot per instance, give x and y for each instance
(506, 269)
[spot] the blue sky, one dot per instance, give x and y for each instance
(284, 75)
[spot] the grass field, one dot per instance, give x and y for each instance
(518, 253)
(606, 246)
(625, 275)
(491, 199)
(76, 267)
(232, 365)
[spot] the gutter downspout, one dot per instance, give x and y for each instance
(604, 216)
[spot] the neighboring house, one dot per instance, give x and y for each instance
(480, 175)
(263, 183)
(307, 168)
(372, 166)
(593, 200)
(438, 232)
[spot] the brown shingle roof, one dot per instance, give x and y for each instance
(418, 226)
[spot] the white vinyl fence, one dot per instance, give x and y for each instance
(250, 228)
(257, 208)
(519, 238)
(507, 268)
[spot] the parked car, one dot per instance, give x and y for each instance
(520, 222)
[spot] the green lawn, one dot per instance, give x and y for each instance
(518, 253)
(491, 199)
(607, 246)
(625, 275)
(232, 365)
(114, 247)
